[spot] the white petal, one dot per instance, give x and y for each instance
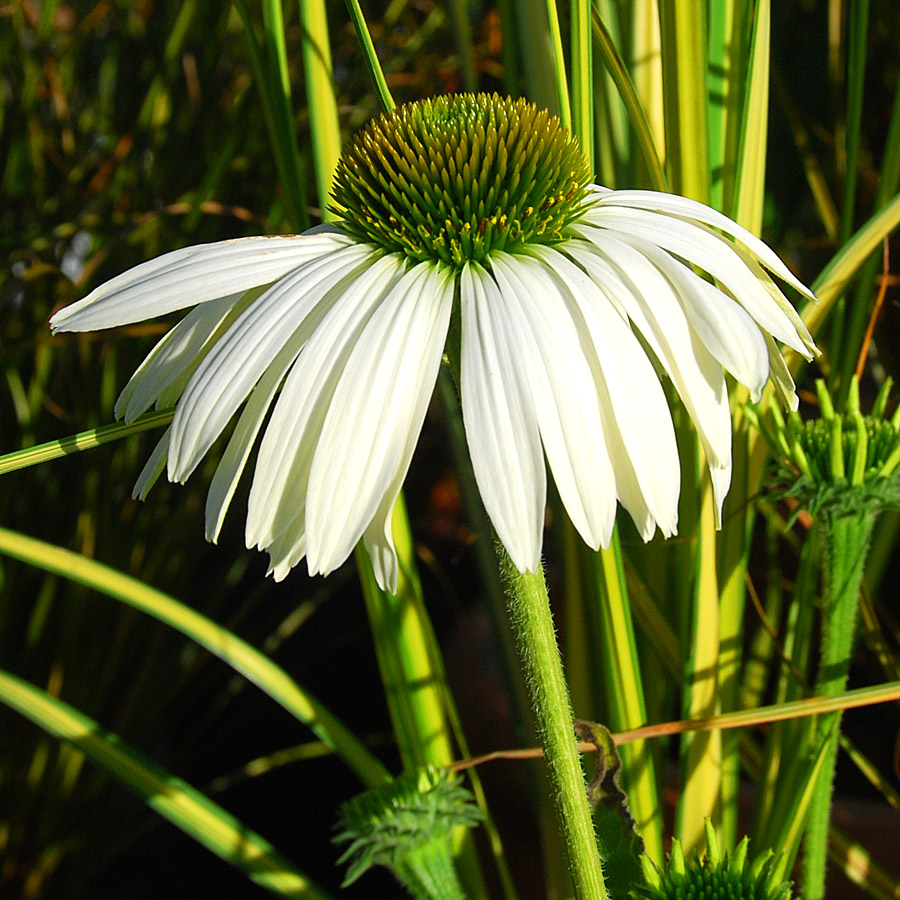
(227, 375)
(379, 543)
(637, 423)
(286, 552)
(652, 303)
(711, 253)
(193, 275)
(162, 376)
(278, 493)
(500, 421)
(376, 413)
(153, 468)
(781, 377)
(228, 472)
(726, 329)
(554, 368)
(783, 303)
(673, 204)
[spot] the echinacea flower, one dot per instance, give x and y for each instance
(477, 212)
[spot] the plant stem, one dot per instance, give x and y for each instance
(847, 541)
(532, 623)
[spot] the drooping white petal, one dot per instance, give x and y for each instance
(711, 253)
(653, 304)
(278, 494)
(724, 327)
(673, 204)
(763, 277)
(379, 535)
(286, 551)
(191, 276)
(153, 468)
(161, 377)
(227, 375)
(781, 377)
(379, 543)
(553, 367)
(637, 424)
(228, 472)
(376, 413)
(500, 421)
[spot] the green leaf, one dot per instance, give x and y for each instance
(619, 842)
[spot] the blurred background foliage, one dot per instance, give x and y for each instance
(128, 129)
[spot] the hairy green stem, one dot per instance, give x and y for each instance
(847, 541)
(532, 622)
(428, 873)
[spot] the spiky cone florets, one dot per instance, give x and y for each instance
(841, 463)
(456, 177)
(713, 876)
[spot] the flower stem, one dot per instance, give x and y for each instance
(428, 873)
(847, 541)
(532, 622)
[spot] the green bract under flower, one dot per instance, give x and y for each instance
(457, 177)
(405, 824)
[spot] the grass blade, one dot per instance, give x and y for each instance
(84, 440)
(252, 664)
(628, 93)
(684, 84)
(184, 806)
(324, 129)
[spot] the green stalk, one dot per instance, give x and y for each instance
(684, 85)
(541, 58)
(532, 622)
(412, 673)
(270, 73)
(559, 65)
(406, 648)
(227, 646)
(733, 551)
(84, 440)
(628, 93)
(847, 541)
(622, 673)
(582, 78)
(849, 329)
(725, 83)
(370, 57)
(462, 30)
(324, 130)
(701, 754)
(428, 874)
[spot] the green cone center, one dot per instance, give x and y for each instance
(457, 177)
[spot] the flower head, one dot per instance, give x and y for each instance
(839, 464)
(714, 875)
(334, 338)
(406, 826)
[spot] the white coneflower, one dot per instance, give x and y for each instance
(477, 208)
